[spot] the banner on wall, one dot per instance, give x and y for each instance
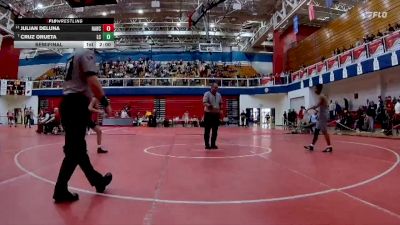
(312, 70)
(302, 74)
(295, 76)
(28, 88)
(3, 87)
(376, 48)
(393, 41)
(345, 58)
(321, 67)
(360, 53)
(265, 81)
(332, 63)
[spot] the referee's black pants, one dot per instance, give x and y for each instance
(75, 116)
(211, 122)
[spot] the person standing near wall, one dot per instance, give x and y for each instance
(10, 117)
(332, 108)
(212, 101)
(371, 113)
(28, 115)
(285, 120)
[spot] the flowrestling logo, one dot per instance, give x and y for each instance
(373, 15)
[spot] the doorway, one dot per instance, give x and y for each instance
(267, 117)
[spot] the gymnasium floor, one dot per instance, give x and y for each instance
(163, 176)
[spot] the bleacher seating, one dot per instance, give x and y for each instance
(343, 32)
(152, 69)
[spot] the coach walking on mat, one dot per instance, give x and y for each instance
(212, 101)
(80, 83)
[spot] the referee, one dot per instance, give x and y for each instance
(80, 82)
(212, 101)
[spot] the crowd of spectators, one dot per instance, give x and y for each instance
(384, 114)
(49, 122)
(368, 38)
(171, 71)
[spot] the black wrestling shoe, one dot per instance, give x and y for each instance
(101, 151)
(67, 197)
(100, 188)
(328, 149)
(214, 147)
(208, 148)
(309, 147)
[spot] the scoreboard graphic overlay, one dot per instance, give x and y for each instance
(64, 33)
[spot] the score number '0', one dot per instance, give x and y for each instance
(108, 27)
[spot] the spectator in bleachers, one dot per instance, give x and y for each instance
(390, 28)
(379, 34)
(371, 37)
(337, 52)
(358, 42)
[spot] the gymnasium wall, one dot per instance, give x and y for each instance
(175, 106)
(277, 101)
(34, 67)
(342, 32)
(10, 102)
(306, 93)
(370, 86)
(140, 104)
(380, 83)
